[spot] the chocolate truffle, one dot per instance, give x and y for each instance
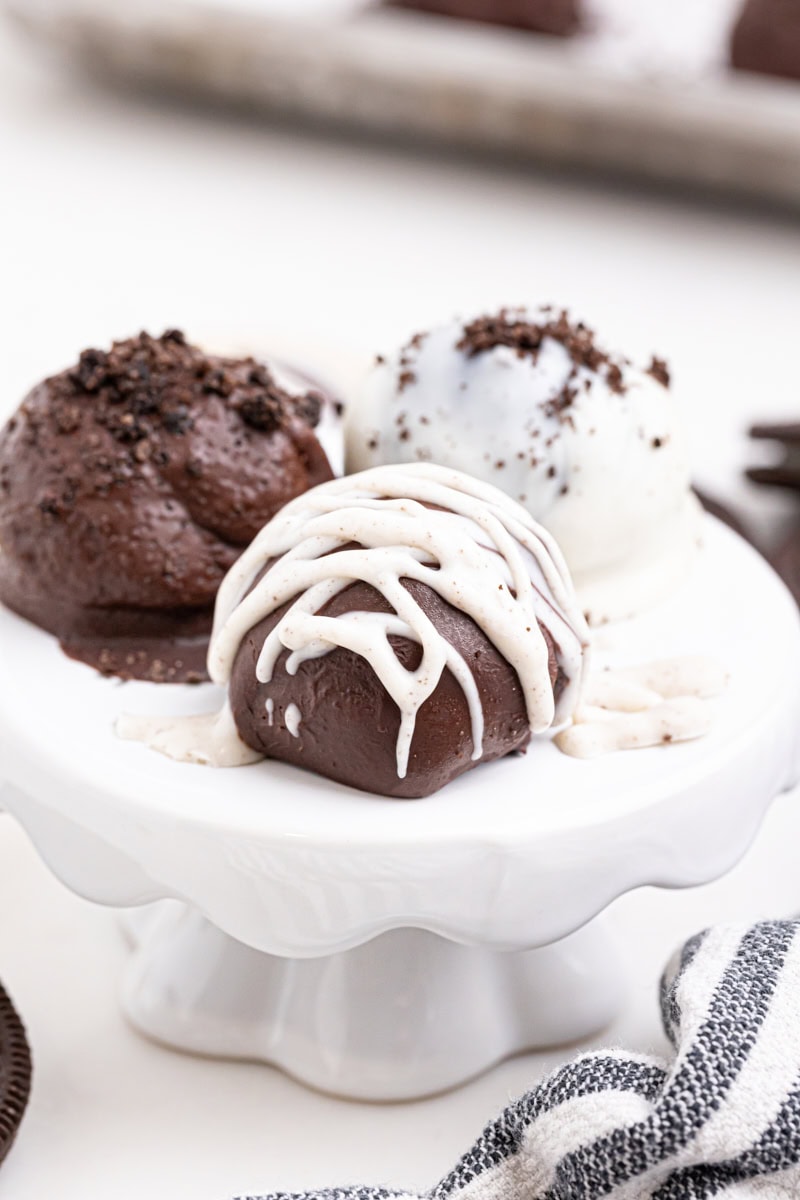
(392, 629)
(558, 17)
(529, 400)
(766, 38)
(129, 485)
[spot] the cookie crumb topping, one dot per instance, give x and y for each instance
(145, 385)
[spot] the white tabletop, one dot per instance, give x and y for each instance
(120, 213)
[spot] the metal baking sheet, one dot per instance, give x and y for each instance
(645, 90)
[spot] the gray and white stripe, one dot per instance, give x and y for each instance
(721, 1119)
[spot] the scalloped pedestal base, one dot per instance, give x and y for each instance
(299, 869)
(403, 1016)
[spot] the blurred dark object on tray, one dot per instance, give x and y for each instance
(782, 553)
(558, 17)
(766, 38)
(641, 91)
(723, 513)
(786, 471)
(786, 560)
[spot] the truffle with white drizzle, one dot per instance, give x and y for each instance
(589, 444)
(391, 629)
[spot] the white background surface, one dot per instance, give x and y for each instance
(119, 214)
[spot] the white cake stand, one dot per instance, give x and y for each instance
(389, 949)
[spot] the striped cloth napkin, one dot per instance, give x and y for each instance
(721, 1118)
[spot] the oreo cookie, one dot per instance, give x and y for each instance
(15, 1073)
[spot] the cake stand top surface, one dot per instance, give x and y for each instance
(513, 854)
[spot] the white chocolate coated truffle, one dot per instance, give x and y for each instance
(590, 445)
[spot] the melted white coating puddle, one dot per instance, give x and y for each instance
(650, 705)
(628, 708)
(208, 739)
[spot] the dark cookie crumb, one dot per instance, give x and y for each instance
(614, 378)
(51, 506)
(659, 371)
(177, 420)
(308, 407)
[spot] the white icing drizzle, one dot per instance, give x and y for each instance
(270, 707)
(209, 739)
(293, 717)
(649, 705)
(478, 549)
